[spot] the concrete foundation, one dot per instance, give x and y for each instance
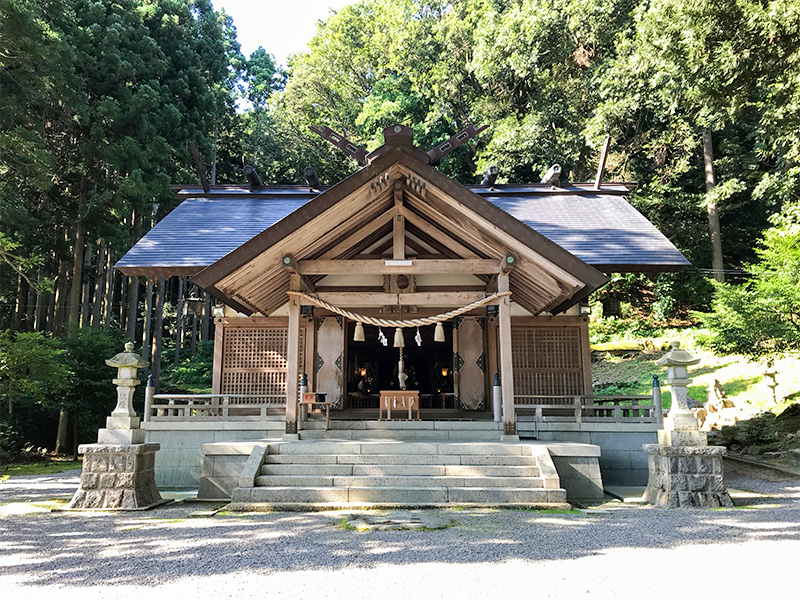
(622, 460)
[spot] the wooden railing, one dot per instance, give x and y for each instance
(193, 407)
(590, 409)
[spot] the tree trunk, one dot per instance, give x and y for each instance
(179, 320)
(133, 306)
(49, 312)
(19, 307)
(75, 436)
(155, 369)
(63, 431)
(74, 313)
(86, 297)
(148, 319)
(713, 217)
(99, 286)
(205, 330)
(30, 310)
(111, 286)
(193, 340)
(61, 303)
(41, 308)
(132, 316)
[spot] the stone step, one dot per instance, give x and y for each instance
(406, 496)
(290, 495)
(411, 470)
(336, 425)
(492, 470)
(399, 459)
(294, 480)
(506, 495)
(300, 458)
(398, 447)
(397, 481)
(380, 469)
(301, 469)
(408, 435)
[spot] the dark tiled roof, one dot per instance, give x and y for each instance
(602, 229)
(200, 231)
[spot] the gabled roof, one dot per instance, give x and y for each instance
(599, 227)
(397, 181)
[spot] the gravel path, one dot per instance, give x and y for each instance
(621, 551)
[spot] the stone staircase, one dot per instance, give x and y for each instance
(404, 463)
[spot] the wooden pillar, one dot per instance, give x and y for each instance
(506, 371)
(155, 365)
(219, 341)
(292, 359)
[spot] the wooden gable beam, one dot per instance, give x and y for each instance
(399, 225)
(303, 282)
(414, 267)
(438, 238)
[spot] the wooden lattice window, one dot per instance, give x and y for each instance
(547, 361)
(254, 360)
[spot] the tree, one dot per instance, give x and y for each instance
(761, 318)
(32, 371)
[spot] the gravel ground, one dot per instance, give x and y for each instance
(616, 551)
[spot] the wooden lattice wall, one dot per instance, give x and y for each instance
(250, 357)
(551, 360)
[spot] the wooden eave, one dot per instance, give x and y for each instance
(354, 215)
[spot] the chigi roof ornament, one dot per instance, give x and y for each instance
(398, 135)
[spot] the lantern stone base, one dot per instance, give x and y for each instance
(667, 437)
(686, 476)
(119, 437)
(117, 476)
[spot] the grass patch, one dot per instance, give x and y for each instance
(39, 468)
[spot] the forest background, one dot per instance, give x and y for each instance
(100, 101)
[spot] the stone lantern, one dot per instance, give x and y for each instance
(119, 470)
(680, 425)
(684, 471)
(122, 427)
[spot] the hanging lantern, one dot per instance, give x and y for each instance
(359, 335)
(438, 334)
(399, 341)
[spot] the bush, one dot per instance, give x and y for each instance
(11, 442)
(193, 372)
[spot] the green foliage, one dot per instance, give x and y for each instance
(91, 395)
(762, 316)
(193, 373)
(12, 443)
(32, 369)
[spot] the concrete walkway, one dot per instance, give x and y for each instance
(615, 551)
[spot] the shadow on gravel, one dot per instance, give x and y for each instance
(157, 546)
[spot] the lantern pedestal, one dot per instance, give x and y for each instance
(684, 471)
(118, 476)
(119, 470)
